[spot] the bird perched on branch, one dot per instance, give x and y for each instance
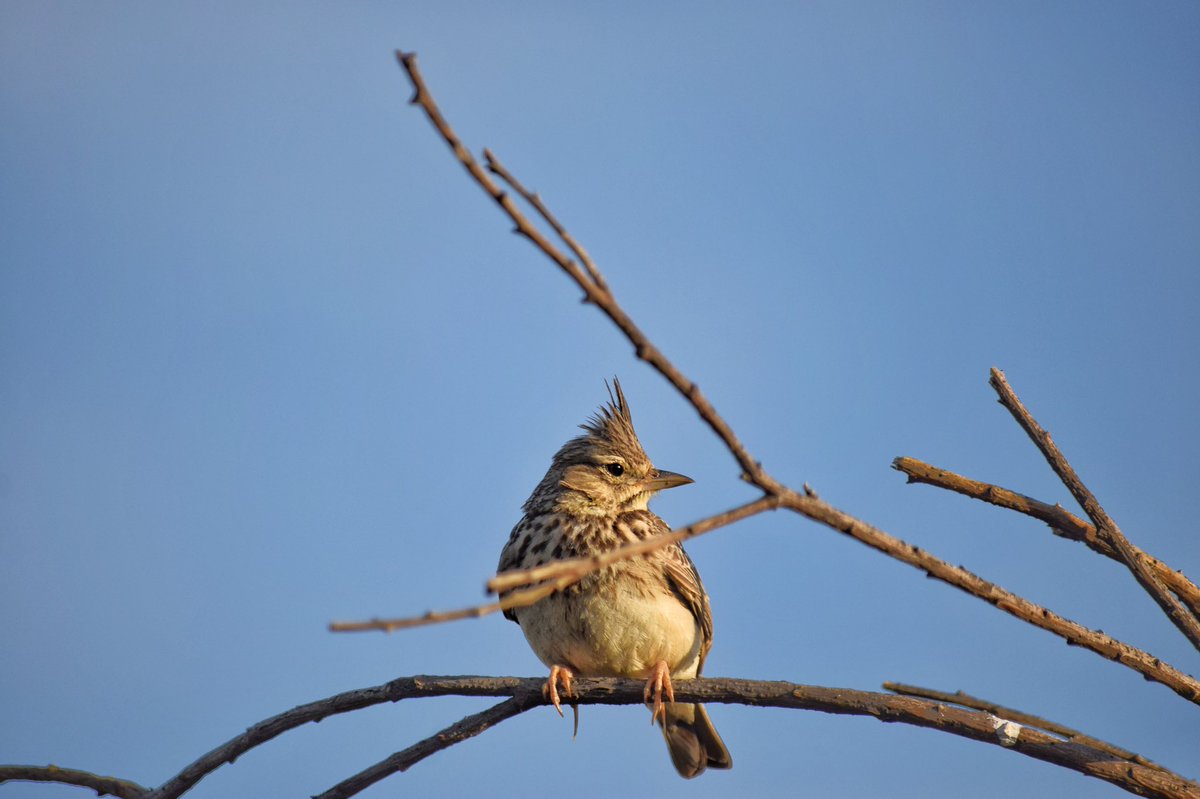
(645, 618)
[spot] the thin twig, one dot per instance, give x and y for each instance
(1021, 717)
(645, 350)
(558, 575)
(532, 197)
(1062, 522)
(1130, 555)
(807, 504)
(571, 570)
(602, 298)
(423, 98)
(406, 622)
(458, 732)
(103, 786)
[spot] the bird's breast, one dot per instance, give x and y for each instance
(613, 628)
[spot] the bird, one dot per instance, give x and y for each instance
(644, 618)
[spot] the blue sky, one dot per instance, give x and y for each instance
(268, 359)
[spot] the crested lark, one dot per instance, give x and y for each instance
(646, 618)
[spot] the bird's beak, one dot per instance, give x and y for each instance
(660, 479)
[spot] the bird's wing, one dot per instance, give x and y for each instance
(513, 554)
(684, 582)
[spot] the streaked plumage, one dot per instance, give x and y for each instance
(630, 618)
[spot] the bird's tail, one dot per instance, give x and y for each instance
(692, 740)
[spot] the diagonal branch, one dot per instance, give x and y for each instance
(545, 580)
(808, 504)
(457, 732)
(1021, 717)
(1075, 634)
(103, 786)
(1062, 522)
(532, 197)
(267, 729)
(1130, 555)
(594, 293)
(572, 570)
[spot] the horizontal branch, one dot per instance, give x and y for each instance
(977, 725)
(1062, 522)
(526, 693)
(1021, 717)
(1130, 555)
(103, 786)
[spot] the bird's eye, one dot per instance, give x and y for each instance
(615, 469)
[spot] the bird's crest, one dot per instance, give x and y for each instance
(613, 424)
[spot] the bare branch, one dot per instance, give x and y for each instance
(526, 693)
(394, 691)
(1130, 555)
(1149, 666)
(531, 197)
(595, 292)
(558, 574)
(405, 622)
(976, 725)
(567, 571)
(103, 786)
(424, 99)
(458, 732)
(807, 504)
(1061, 521)
(1021, 717)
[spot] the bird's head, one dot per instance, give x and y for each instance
(605, 471)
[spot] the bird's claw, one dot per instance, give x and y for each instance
(658, 683)
(550, 689)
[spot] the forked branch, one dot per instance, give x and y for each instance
(1062, 522)
(457, 732)
(1021, 717)
(1130, 555)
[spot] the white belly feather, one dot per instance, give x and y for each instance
(613, 633)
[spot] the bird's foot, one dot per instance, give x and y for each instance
(657, 684)
(550, 689)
